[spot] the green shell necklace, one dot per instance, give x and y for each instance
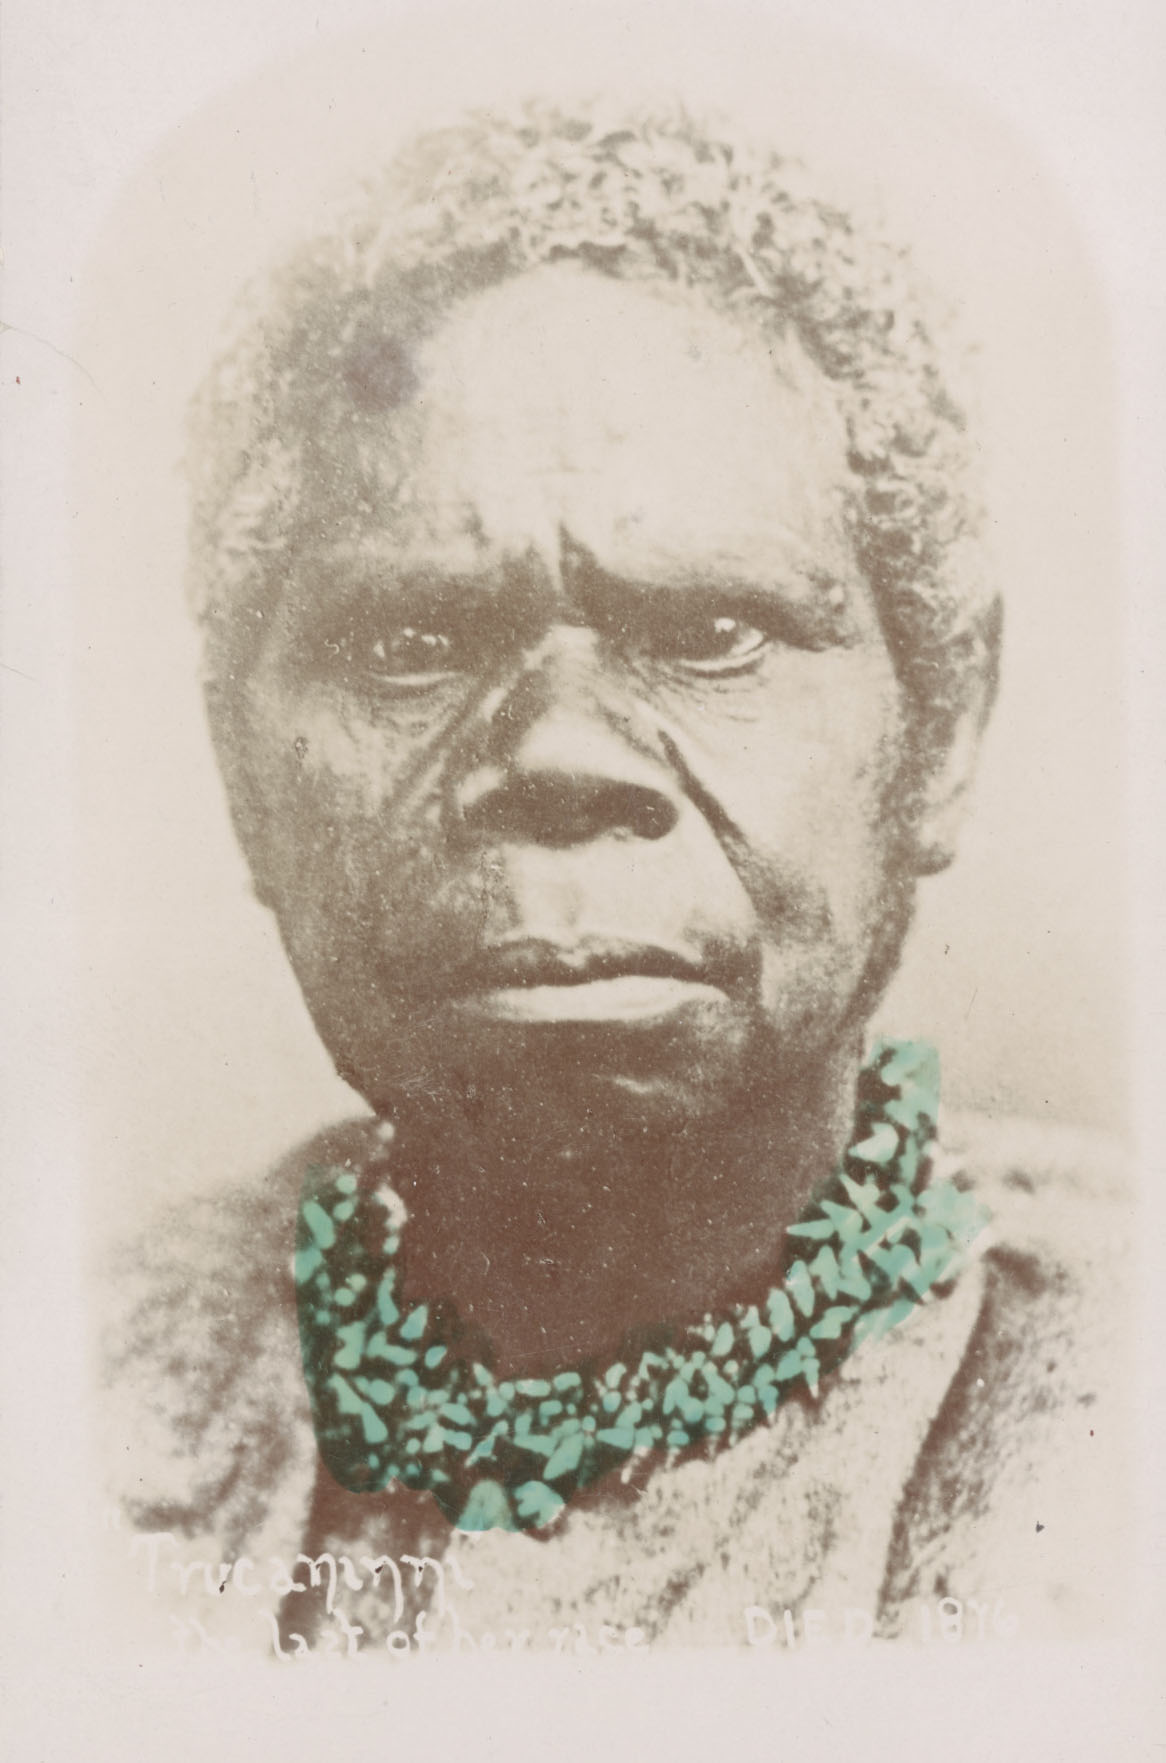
(393, 1402)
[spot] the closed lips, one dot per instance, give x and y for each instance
(537, 962)
(534, 981)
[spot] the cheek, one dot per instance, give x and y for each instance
(843, 767)
(804, 779)
(823, 733)
(345, 750)
(329, 784)
(341, 749)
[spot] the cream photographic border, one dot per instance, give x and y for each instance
(89, 96)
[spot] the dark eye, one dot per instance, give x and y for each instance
(706, 643)
(410, 652)
(406, 657)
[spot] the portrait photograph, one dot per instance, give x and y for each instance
(583, 638)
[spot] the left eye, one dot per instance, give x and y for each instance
(709, 643)
(410, 651)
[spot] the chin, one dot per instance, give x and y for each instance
(556, 1083)
(603, 1105)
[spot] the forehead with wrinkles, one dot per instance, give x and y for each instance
(564, 404)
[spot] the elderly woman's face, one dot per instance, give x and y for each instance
(575, 744)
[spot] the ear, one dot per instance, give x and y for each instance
(940, 799)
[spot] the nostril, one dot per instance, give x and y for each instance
(564, 811)
(651, 816)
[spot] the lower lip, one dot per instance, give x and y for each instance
(631, 997)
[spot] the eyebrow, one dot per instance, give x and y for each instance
(359, 575)
(599, 593)
(361, 592)
(595, 584)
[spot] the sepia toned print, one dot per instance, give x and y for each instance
(597, 643)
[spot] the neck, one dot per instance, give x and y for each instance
(556, 1245)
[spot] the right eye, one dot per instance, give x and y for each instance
(410, 651)
(406, 657)
(708, 643)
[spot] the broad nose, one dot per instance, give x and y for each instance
(562, 763)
